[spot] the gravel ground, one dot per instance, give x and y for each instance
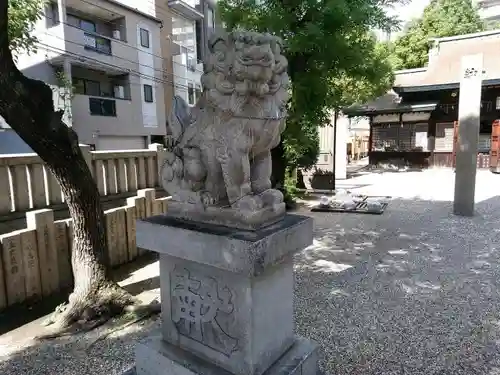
(413, 291)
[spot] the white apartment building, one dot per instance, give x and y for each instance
(489, 10)
(110, 54)
(192, 23)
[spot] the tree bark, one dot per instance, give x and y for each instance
(279, 164)
(27, 106)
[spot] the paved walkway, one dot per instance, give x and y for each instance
(414, 291)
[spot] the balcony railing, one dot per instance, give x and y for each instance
(97, 43)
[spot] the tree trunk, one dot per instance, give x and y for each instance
(279, 164)
(278, 167)
(27, 106)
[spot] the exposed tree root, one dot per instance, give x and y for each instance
(134, 314)
(93, 307)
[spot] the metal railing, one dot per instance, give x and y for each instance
(97, 43)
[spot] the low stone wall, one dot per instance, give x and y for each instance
(35, 261)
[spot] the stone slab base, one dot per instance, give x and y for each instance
(156, 357)
(229, 217)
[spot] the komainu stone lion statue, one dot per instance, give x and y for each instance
(218, 164)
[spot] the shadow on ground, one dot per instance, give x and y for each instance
(413, 291)
(80, 354)
(19, 315)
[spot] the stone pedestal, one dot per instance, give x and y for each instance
(227, 299)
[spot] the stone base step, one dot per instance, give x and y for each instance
(157, 357)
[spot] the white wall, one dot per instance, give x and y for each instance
(326, 137)
(147, 70)
(51, 44)
(146, 6)
(183, 76)
(341, 148)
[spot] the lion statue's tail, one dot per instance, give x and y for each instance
(182, 172)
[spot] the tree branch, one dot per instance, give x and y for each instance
(26, 104)
(5, 53)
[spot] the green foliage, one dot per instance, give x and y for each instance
(301, 143)
(23, 14)
(65, 92)
(347, 89)
(291, 183)
(441, 18)
(333, 60)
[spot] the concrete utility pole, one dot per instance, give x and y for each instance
(469, 110)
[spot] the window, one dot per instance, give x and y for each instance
(78, 86)
(103, 45)
(148, 93)
(210, 18)
(144, 37)
(81, 23)
(86, 87)
(92, 88)
(397, 137)
(102, 107)
(184, 34)
(158, 139)
(88, 26)
(198, 92)
(190, 94)
(484, 143)
(199, 43)
(421, 137)
(444, 137)
(51, 14)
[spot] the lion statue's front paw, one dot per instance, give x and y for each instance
(249, 203)
(270, 197)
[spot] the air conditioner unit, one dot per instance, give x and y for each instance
(116, 34)
(119, 92)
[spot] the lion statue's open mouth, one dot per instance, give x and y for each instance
(247, 65)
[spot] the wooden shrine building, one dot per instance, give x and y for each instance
(416, 123)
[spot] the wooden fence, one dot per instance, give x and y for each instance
(26, 183)
(35, 261)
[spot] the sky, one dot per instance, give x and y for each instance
(409, 11)
(412, 10)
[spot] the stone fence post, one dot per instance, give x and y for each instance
(85, 149)
(160, 159)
